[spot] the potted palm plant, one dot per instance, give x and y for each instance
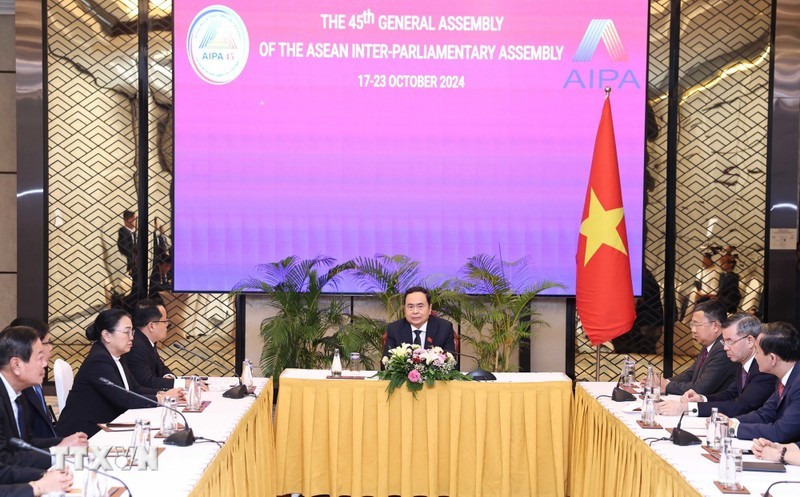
(302, 333)
(494, 308)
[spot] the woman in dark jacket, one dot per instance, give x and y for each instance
(91, 401)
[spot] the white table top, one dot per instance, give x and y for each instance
(321, 374)
(179, 468)
(698, 471)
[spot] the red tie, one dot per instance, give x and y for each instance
(702, 359)
(780, 390)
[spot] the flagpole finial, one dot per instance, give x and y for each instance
(608, 90)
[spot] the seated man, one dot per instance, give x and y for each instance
(777, 352)
(22, 366)
(712, 372)
(418, 326)
(41, 420)
(750, 388)
(151, 325)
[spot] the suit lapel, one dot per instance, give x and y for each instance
(9, 410)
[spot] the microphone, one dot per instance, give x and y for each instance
(16, 442)
(477, 374)
(620, 395)
(767, 494)
(683, 437)
(237, 392)
(183, 438)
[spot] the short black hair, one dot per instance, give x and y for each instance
(146, 311)
(128, 214)
(713, 310)
(782, 339)
(415, 289)
(106, 320)
(16, 341)
(41, 328)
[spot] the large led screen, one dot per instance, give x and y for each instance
(435, 129)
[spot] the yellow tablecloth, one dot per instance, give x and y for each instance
(342, 437)
(608, 459)
(245, 464)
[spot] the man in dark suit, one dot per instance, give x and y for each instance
(151, 325)
(126, 239)
(712, 371)
(777, 353)
(40, 418)
(418, 326)
(750, 387)
(22, 366)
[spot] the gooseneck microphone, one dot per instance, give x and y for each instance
(620, 395)
(16, 442)
(182, 438)
(683, 437)
(477, 374)
(767, 494)
(237, 392)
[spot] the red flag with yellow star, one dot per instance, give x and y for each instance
(604, 291)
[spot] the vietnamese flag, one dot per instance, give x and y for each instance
(604, 292)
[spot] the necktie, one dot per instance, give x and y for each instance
(702, 359)
(780, 390)
(416, 337)
(744, 378)
(21, 417)
(38, 390)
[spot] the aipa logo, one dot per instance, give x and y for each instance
(601, 30)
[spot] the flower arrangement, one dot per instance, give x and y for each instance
(416, 366)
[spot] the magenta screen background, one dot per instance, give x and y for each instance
(294, 158)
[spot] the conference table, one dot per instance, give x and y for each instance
(242, 464)
(613, 456)
(509, 437)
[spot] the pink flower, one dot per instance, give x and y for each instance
(414, 376)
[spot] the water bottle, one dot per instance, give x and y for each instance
(169, 421)
(247, 373)
(355, 362)
(630, 371)
(195, 401)
(141, 434)
(728, 462)
(711, 428)
(336, 364)
(648, 411)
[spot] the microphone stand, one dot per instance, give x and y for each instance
(682, 437)
(237, 392)
(182, 438)
(477, 374)
(16, 442)
(620, 395)
(767, 494)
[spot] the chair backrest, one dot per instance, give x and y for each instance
(63, 377)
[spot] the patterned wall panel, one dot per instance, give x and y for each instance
(721, 174)
(92, 174)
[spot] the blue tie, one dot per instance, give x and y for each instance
(38, 389)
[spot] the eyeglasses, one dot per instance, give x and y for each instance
(167, 321)
(129, 331)
(729, 343)
(695, 324)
